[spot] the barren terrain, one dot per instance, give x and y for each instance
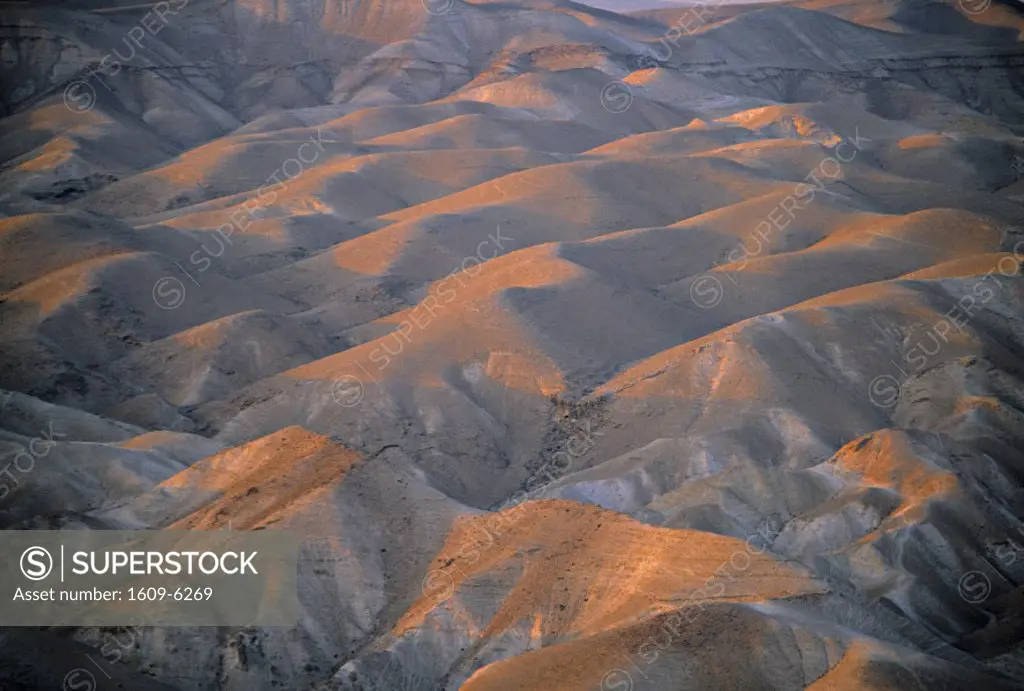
(681, 349)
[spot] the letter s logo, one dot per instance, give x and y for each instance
(884, 391)
(168, 293)
(616, 97)
(617, 680)
(79, 680)
(36, 563)
(79, 96)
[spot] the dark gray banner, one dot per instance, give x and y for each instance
(148, 578)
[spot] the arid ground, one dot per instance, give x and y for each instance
(673, 350)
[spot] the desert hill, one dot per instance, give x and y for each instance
(673, 349)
